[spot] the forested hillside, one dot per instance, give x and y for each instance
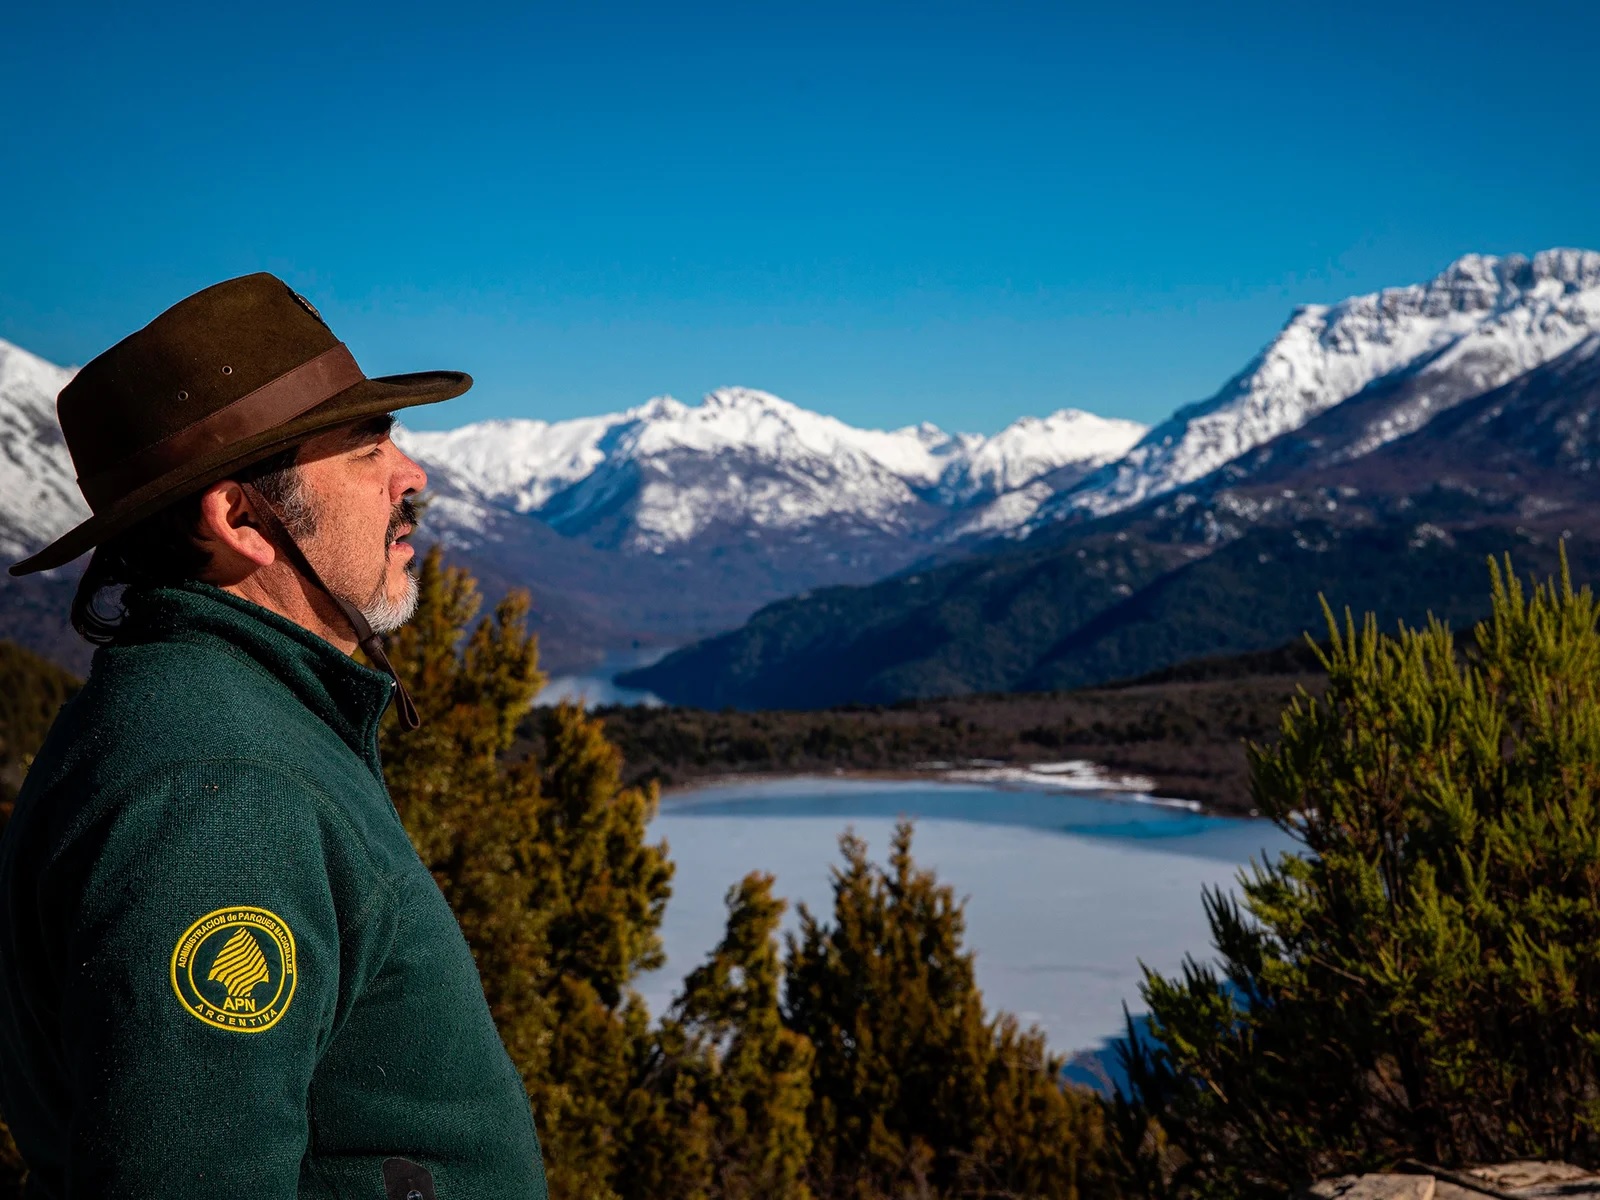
(1184, 729)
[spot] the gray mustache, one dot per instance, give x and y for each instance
(405, 513)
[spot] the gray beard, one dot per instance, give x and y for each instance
(299, 517)
(386, 615)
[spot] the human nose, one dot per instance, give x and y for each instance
(409, 477)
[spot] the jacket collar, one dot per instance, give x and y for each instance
(348, 697)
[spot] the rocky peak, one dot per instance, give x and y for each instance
(1478, 323)
(39, 496)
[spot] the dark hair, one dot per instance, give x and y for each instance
(161, 550)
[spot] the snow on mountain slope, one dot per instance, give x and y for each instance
(1482, 321)
(747, 459)
(1004, 516)
(521, 463)
(745, 464)
(665, 472)
(1033, 447)
(39, 497)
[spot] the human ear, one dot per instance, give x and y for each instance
(228, 532)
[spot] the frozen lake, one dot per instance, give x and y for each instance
(1066, 892)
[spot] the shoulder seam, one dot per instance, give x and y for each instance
(324, 801)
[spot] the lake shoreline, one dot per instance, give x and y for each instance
(1182, 738)
(982, 773)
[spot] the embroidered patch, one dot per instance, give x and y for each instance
(235, 968)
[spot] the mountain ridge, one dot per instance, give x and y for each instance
(669, 522)
(744, 455)
(1482, 320)
(1234, 561)
(653, 526)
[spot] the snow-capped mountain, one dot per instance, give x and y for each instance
(1229, 564)
(717, 508)
(670, 521)
(1034, 448)
(1482, 321)
(39, 497)
(743, 461)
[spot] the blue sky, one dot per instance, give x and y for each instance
(890, 212)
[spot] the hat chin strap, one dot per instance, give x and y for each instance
(369, 641)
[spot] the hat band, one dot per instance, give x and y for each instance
(270, 405)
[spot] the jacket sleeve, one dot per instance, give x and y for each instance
(221, 926)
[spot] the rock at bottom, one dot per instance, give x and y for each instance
(1525, 1180)
(1374, 1187)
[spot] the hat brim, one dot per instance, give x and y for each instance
(369, 398)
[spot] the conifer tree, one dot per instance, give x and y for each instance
(544, 861)
(731, 1084)
(914, 1091)
(1424, 980)
(1039, 1139)
(603, 894)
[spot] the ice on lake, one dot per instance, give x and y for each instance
(1067, 893)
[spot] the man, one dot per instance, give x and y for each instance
(223, 970)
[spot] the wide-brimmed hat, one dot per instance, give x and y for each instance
(219, 381)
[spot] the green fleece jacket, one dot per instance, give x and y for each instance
(224, 972)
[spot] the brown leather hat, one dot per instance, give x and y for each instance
(219, 381)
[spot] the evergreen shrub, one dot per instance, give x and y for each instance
(1423, 979)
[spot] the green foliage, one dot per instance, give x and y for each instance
(544, 862)
(1425, 980)
(914, 1092)
(730, 1085)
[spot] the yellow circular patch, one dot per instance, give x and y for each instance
(235, 968)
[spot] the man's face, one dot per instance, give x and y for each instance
(357, 486)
